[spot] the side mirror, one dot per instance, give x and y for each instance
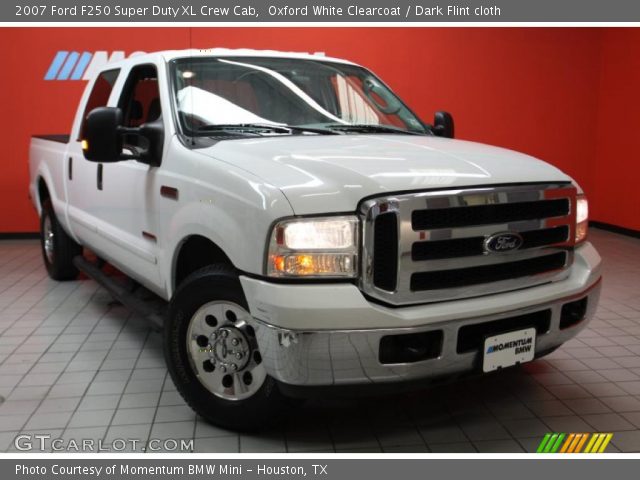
(104, 138)
(443, 125)
(153, 135)
(102, 141)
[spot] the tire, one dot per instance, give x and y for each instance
(205, 331)
(58, 248)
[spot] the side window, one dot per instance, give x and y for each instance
(99, 95)
(140, 99)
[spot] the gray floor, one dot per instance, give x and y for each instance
(75, 365)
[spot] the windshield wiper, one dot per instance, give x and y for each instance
(264, 127)
(370, 128)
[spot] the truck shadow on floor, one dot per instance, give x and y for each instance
(495, 412)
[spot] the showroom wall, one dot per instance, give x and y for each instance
(566, 95)
(616, 166)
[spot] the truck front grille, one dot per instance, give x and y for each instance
(461, 277)
(488, 214)
(434, 246)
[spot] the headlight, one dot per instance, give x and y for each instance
(318, 247)
(582, 218)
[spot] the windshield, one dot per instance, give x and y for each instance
(223, 92)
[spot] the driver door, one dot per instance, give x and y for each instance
(125, 205)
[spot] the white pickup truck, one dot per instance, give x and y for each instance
(291, 224)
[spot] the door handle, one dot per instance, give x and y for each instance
(99, 179)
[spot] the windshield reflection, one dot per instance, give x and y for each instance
(285, 92)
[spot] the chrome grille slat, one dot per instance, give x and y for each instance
(470, 291)
(475, 215)
(474, 231)
(474, 261)
(434, 249)
(484, 273)
(496, 199)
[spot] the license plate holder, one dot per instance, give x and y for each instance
(508, 349)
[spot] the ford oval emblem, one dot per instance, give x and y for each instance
(503, 242)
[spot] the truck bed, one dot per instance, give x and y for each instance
(47, 155)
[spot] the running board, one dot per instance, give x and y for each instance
(142, 301)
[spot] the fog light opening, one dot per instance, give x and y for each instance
(410, 348)
(573, 313)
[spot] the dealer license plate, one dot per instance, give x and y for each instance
(509, 349)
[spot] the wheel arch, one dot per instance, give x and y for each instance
(194, 252)
(45, 187)
(43, 192)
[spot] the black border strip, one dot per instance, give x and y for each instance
(19, 235)
(54, 137)
(615, 229)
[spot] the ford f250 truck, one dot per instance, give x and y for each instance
(290, 224)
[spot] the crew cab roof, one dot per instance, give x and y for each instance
(168, 55)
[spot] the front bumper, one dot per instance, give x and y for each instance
(312, 335)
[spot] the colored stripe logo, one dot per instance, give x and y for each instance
(574, 443)
(69, 65)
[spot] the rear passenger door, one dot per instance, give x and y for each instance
(81, 174)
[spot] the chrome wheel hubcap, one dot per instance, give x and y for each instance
(48, 238)
(223, 351)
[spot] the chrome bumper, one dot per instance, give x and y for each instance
(350, 357)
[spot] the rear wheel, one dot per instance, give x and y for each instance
(58, 248)
(213, 356)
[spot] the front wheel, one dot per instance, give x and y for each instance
(213, 356)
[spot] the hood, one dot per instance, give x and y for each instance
(322, 174)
